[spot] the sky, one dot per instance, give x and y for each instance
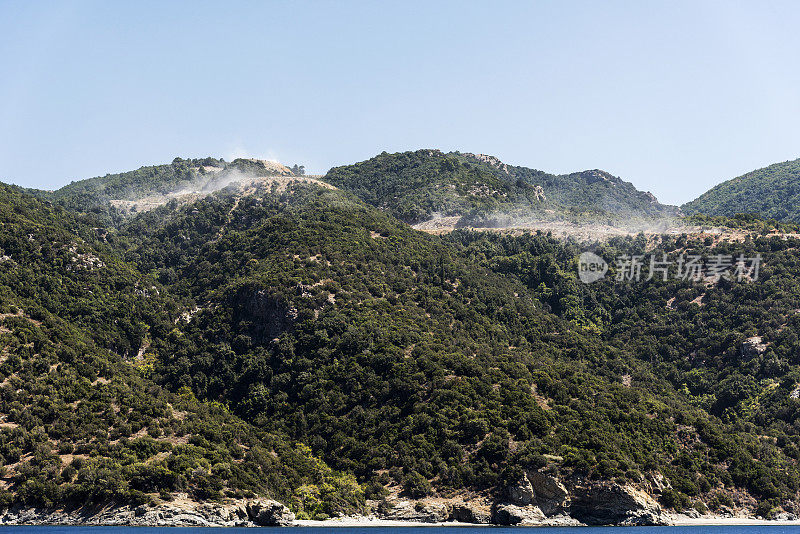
(674, 96)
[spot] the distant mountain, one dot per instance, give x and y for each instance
(416, 186)
(772, 192)
(413, 186)
(591, 190)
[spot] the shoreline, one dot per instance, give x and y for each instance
(266, 513)
(352, 522)
(371, 522)
(675, 520)
(713, 520)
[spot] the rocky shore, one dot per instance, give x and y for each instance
(182, 512)
(538, 499)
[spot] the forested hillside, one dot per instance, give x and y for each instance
(111, 198)
(81, 421)
(389, 351)
(592, 191)
(416, 186)
(304, 343)
(729, 348)
(771, 192)
(413, 186)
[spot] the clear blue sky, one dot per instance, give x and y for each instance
(673, 96)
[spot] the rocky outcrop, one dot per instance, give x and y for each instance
(511, 514)
(478, 511)
(539, 499)
(521, 493)
(551, 496)
(614, 504)
(471, 513)
(254, 512)
(656, 483)
(596, 175)
(753, 346)
(266, 513)
(539, 489)
(417, 511)
(494, 161)
(268, 315)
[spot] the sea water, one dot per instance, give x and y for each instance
(739, 529)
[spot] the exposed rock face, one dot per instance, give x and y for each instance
(272, 316)
(521, 493)
(657, 483)
(542, 490)
(494, 161)
(613, 504)
(478, 511)
(596, 175)
(419, 511)
(256, 512)
(550, 494)
(266, 513)
(541, 499)
(753, 346)
(471, 513)
(511, 514)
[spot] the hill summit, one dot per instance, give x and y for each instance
(771, 192)
(476, 188)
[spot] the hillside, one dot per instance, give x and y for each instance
(82, 424)
(772, 192)
(324, 319)
(295, 341)
(113, 197)
(413, 186)
(481, 190)
(729, 347)
(592, 191)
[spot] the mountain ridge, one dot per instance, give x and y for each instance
(419, 185)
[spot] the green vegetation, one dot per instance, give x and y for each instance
(691, 335)
(301, 344)
(81, 422)
(772, 192)
(743, 221)
(593, 192)
(416, 186)
(93, 195)
(387, 350)
(413, 186)
(97, 199)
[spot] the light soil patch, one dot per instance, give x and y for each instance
(245, 186)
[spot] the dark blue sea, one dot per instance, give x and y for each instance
(768, 529)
